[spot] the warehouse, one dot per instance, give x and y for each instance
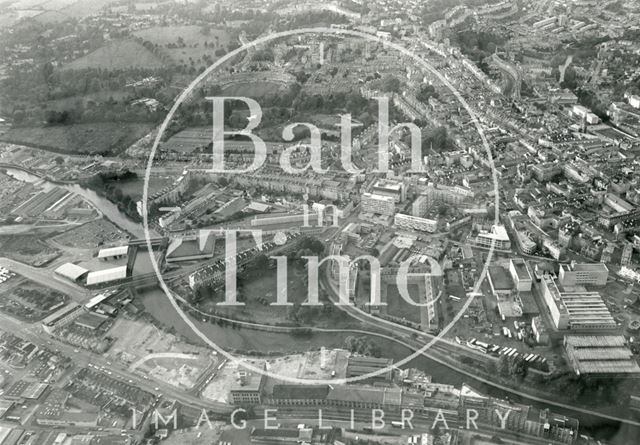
(112, 253)
(605, 354)
(107, 275)
(71, 272)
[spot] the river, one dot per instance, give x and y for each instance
(108, 209)
(159, 307)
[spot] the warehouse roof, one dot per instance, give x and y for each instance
(106, 275)
(113, 251)
(71, 271)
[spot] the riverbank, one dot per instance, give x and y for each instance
(242, 339)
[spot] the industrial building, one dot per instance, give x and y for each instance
(579, 274)
(248, 388)
(606, 354)
(500, 415)
(575, 309)
(107, 275)
(112, 253)
(188, 248)
(62, 317)
(359, 366)
(72, 272)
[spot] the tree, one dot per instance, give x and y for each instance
(426, 91)
(389, 84)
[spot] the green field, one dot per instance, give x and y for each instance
(121, 54)
(253, 89)
(398, 307)
(194, 41)
(93, 138)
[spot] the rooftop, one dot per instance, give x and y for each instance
(500, 279)
(521, 269)
(71, 271)
(113, 251)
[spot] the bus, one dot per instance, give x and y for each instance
(397, 424)
(513, 352)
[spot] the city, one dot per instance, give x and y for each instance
(349, 222)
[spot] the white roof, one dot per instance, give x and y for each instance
(71, 271)
(96, 300)
(105, 275)
(113, 251)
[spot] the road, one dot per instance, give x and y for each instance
(47, 278)
(440, 352)
(82, 358)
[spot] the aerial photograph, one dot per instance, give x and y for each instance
(339, 222)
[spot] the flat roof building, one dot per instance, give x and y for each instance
(574, 274)
(520, 274)
(248, 388)
(498, 235)
(380, 204)
(606, 354)
(415, 223)
(393, 189)
(187, 248)
(499, 280)
(576, 309)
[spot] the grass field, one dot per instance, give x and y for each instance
(93, 138)
(121, 54)
(253, 89)
(193, 38)
(398, 307)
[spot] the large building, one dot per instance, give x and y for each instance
(415, 223)
(359, 366)
(498, 235)
(111, 253)
(248, 388)
(579, 274)
(62, 317)
(187, 248)
(576, 309)
(377, 204)
(606, 354)
(500, 281)
(496, 414)
(107, 275)
(393, 189)
(520, 274)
